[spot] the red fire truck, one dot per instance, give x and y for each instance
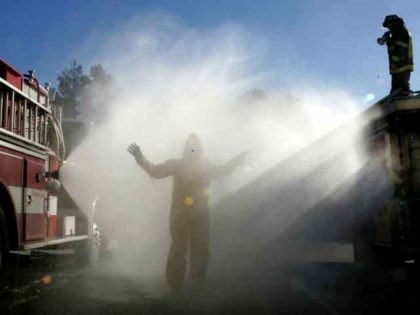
(33, 210)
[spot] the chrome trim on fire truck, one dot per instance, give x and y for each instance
(24, 95)
(12, 155)
(34, 200)
(17, 197)
(54, 241)
(27, 148)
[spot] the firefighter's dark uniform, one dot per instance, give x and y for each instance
(189, 216)
(400, 54)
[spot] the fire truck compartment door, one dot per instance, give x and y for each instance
(11, 172)
(35, 201)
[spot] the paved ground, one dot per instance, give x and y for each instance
(48, 285)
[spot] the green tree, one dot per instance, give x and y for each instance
(252, 97)
(86, 96)
(99, 94)
(71, 85)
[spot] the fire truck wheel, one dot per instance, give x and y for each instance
(3, 240)
(87, 251)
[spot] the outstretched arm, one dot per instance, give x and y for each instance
(229, 167)
(384, 39)
(154, 170)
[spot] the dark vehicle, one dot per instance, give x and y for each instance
(392, 233)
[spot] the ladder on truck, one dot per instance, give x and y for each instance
(21, 116)
(24, 120)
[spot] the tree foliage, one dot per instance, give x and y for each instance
(71, 84)
(252, 97)
(99, 95)
(86, 96)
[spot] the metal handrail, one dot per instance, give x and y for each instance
(24, 121)
(2, 81)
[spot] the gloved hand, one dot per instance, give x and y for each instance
(134, 150)
(381, 41)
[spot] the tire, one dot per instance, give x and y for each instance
(368, 254)
(4, 243)
(364, 250)
(87, 251)
(363, 253)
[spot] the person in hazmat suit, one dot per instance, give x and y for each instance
(189, 215)
(400, 53)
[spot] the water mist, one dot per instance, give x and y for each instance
(176, 80)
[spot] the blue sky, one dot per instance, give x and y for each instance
(333, 41)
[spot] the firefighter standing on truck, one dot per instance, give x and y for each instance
(189, 216)
(400, 53)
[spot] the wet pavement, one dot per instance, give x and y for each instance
(57, 285)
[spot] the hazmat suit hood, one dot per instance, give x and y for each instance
(193, 148)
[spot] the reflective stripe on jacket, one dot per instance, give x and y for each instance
(400, 51)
